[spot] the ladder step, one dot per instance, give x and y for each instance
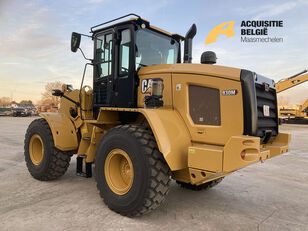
(79, 167)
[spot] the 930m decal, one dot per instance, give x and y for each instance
(229, 92)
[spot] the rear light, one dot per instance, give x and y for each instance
(243, 154)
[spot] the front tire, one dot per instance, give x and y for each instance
(131, 174)
(44, 161)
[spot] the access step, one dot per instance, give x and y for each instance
(79, 167)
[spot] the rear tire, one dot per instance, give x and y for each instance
(204, 186)
(151, 174)
(50, 163)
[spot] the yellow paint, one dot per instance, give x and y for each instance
(65, 104)
(36, 149)
(119, 171)
(290, 82)
(231, 108)
(279, 145)
(167, 95)
(195, 153)
(198, 176)
(207, 157)
(63, 130)
(171, 135)
(191, 68)
(229, 32)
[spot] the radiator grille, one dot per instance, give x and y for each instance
(266, 123)
(204, 105)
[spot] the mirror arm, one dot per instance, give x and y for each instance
(84, 73)
(84, 55)
(59, 93)
(89, 36)
(73, 101)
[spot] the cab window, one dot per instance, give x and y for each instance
(124, 52)
(104, 55)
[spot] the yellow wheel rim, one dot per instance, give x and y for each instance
(36, 149)
(119, 171)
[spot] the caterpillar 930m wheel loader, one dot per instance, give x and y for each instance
(150, 118)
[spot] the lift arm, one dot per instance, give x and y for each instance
(292, 81)
(304, 106)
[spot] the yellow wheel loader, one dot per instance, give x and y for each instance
(151, 117)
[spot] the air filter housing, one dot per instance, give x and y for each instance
(208, 57)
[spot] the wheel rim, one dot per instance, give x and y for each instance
(119, 171)
(36, 149)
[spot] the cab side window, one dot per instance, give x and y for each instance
(124, 52)
(104, 55)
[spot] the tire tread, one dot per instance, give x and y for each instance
(59, 159)
(158, 185)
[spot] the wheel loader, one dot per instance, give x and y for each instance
(152, 116)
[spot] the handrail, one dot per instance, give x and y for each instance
(104, 23)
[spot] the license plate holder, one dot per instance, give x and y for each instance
(266, 110)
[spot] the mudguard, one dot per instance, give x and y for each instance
(171, 134)
(63, 130)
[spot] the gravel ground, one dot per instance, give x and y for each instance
(264, 196)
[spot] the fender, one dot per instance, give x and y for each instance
(62, 129)
(171, 134)
(170, 131)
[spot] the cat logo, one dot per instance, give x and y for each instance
(146, 85)
(229, 32)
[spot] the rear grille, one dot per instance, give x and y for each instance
(266, 123)
(259, 91)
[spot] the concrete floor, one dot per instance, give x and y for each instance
(268, 196)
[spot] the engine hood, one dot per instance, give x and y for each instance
(193, 69)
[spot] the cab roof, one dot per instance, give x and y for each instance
(138, 20)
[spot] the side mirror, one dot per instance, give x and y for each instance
(57, 92)
(75, 41)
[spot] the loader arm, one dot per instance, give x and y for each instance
(304, 106)
(290, 82)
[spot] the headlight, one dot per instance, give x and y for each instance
(155, 99)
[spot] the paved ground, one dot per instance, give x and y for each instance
(268, 196)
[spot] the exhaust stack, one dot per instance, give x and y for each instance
(188, 43)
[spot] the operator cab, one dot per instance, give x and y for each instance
(119, 51)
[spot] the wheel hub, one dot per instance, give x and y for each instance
(36, 149)
(119, 171)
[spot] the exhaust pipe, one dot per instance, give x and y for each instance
(188, 43)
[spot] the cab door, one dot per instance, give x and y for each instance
(125, 74)
(103, 76)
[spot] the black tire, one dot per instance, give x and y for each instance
(204, 186)
(55, 162)
(151, 173)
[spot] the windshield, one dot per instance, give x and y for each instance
(153, 48)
